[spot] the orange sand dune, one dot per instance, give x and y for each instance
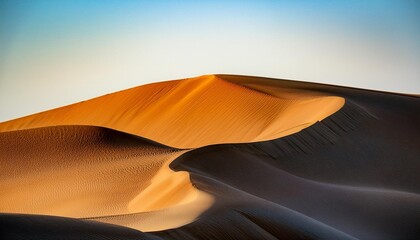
(193, 112)
(130, 183)
(89, 172)
(298, 161)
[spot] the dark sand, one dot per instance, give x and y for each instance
(353, 175)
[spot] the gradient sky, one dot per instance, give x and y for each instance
(54, 53)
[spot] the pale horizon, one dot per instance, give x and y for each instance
(59, 53)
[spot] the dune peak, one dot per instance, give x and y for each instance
(194, 112)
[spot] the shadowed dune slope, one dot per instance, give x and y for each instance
(375, 134)
(91, 172)
(35, 227)
(192, 112)
(356, 171)
(280, 173)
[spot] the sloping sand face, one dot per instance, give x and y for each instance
(353, 175)
(96, 173)
(193, 112)
(90, 172)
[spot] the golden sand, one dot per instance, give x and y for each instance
(53, 167)
(193, 112)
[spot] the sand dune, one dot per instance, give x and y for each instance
(264, 159)
(192, 113)
(90, 172)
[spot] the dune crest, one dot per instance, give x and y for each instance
(194, 112)
(256, 158)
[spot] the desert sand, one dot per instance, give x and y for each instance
(92, 172)
(192, 113)
(216, 157)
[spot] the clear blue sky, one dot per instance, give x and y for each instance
(54, 53)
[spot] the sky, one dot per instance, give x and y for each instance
(54, 53)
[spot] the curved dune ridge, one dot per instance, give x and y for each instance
(90, 172)
(193, 112)
(243, 158)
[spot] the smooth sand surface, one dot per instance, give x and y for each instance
(266, 159)
(192, 112)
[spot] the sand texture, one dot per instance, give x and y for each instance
(192, 113)
(216, 157)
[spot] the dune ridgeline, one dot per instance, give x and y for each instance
(215, 157)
